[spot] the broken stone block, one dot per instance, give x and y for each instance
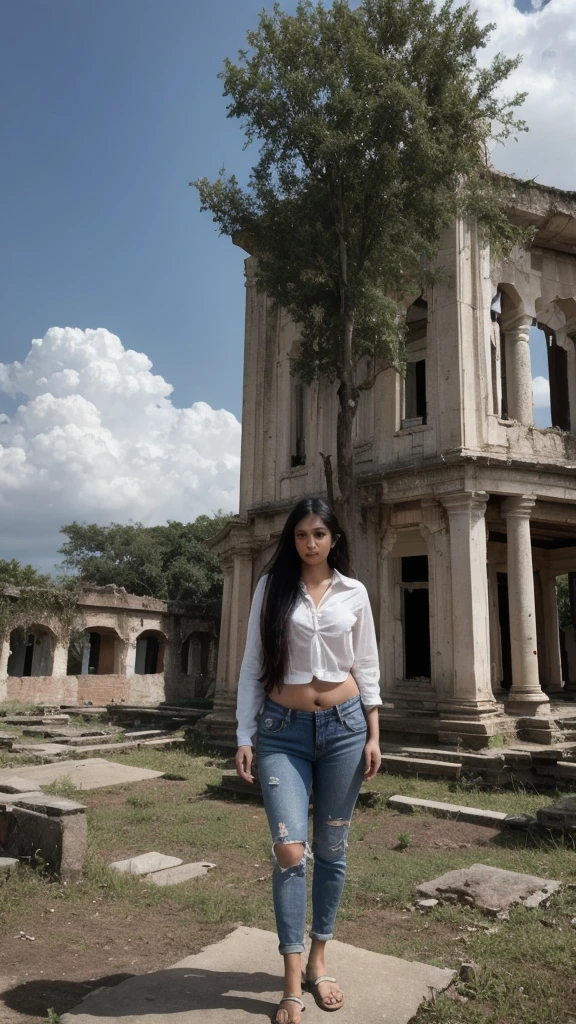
(8, 865)
(173, 876)
(145, 863)
(470, 972)
(427, 904)
(56, 840)
(490, 889)
(560, 815)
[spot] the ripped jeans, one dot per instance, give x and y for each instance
(300, 751)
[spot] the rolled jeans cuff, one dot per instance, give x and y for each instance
(320, 937)
(291, 947)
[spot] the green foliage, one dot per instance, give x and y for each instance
(29, 597)
(403, 840)
(171, 562)
(563, 598)
(372, 124)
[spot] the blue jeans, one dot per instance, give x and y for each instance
(299, 752)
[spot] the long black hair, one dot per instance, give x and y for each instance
(283, 586)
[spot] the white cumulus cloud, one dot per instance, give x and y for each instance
(541, 393)
(96, 437)
(546, 37)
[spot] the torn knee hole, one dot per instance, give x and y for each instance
(289, 854)
(337, 822)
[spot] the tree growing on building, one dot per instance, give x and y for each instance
(28, 596)
(372, 124)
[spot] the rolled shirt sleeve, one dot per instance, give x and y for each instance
(250, 689)
(366, 668)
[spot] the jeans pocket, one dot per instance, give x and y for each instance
(354, 720)
(270, 722)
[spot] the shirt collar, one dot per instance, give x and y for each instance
(337, 577)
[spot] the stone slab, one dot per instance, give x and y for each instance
(421, 766)
(561, 814)
(93, 773)
(183, 873)
(40, 749)
(34, 719)
(491, 889)
(15, 783)
(145, 863)
(474, 815)
(8, 865)
(53, 806)
(239, 981)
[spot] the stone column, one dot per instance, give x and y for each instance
(519, 370)
(526, 696)
(554, 680)
(472, 690)
(60, 659)
(434, 529)
(129, 658)
(4, 655)
(495, 639)
(221, 720)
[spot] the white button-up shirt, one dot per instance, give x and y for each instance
(326, 643)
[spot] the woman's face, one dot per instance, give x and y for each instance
(313, 540)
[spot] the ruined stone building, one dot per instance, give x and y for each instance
(468, 509)
(124, 648)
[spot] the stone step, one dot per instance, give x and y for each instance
(7, 739)
(560, 770)
(168, 741)
(489, 760)
(34, 719)
(474, 815)
(61, 734)
(144, 734)
(396, 763)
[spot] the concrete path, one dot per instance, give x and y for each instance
(239, 980)
(93, 773)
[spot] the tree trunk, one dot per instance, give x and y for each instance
(348, 403)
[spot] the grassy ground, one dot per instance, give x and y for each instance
(108, 921)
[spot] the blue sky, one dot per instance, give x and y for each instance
(108, 109)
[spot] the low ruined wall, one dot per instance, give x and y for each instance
(135, 689)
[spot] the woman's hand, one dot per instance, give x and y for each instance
(244, 757)
(372, 759)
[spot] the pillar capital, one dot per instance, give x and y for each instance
(517, 326)
(472, 503)
(518, 507)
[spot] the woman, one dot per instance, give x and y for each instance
(308, 688)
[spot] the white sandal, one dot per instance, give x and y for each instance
(311, 984)
(288, 999)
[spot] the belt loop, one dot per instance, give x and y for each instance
(338, 714)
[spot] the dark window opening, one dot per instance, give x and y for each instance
(558, 377)
(151, 659)
(415, 393)
(416, 634)
(299, 425)
(94, 657)
(29, 655)
(504, 621)
(415, 569)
